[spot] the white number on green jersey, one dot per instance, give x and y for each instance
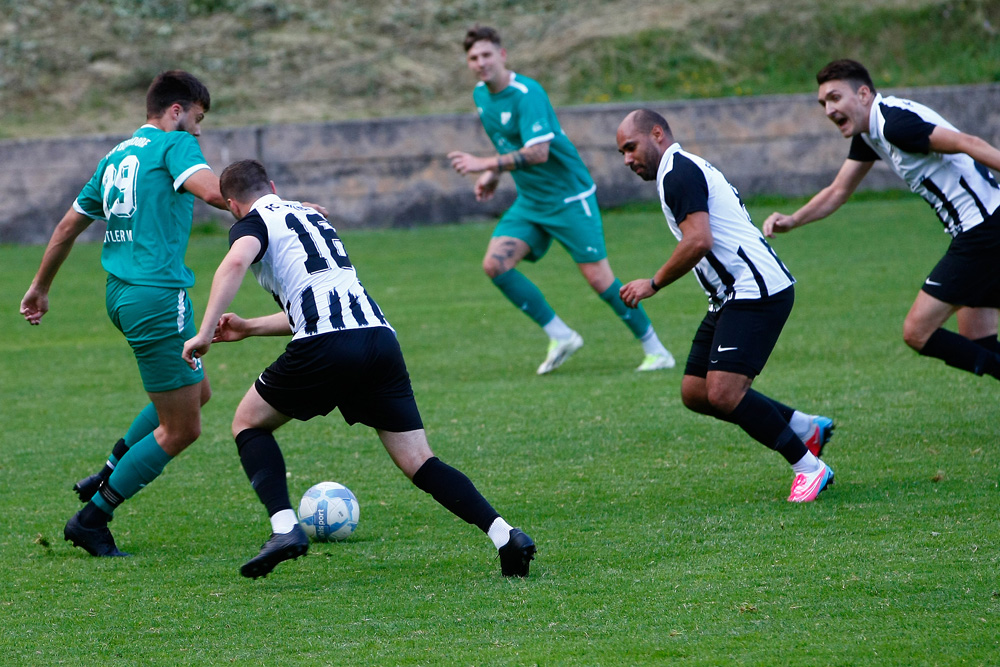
(119, 187)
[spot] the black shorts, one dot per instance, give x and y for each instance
(740, 336)
(969, 273)
(359, 371)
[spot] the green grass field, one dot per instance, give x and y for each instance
(664, 536)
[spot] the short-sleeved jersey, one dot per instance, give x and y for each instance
(519, 116)
(961, 191)
(138, 189)
(303, 264)
(741, 264)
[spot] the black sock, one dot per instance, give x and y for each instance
(117, 452)
(959, 352)
(785, 411)
(265, 468)
(762, 420)
(456, 492)
(92, 516)
(989, 342)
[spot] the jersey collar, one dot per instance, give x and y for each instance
(665, 158)
(265, 200)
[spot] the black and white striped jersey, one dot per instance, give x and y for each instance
(741, 264)
(304, 265)
(962, 191)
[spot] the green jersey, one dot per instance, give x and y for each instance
(138, 189)
(519, 116)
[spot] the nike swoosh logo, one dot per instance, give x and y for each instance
(932, 283)
(725, 349)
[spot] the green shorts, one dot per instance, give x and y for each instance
(576, 224)
(156, 322)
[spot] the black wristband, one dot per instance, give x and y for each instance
(652, 283)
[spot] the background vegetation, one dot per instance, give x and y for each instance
(664, 536)
(82, 66)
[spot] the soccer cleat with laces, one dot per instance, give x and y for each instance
(559, 351)
(821, 434)
(657, 362)
(516, 555)
(95, 541)
(279, 547)
(807, 486)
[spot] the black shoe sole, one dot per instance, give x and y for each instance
(261, 566)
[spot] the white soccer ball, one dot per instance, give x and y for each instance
(329, 512)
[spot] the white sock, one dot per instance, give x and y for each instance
(283, 522)
(802, 424)
(807, 464)
(651, 343)
(558, 329)
(499, 532)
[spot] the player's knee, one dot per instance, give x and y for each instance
(492, 268)
(175, 440)
(914, 334)
(693, 396)
(723, 398)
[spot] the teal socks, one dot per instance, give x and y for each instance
(526, 296)
(141, 465)
(144, 424)
(634, 318)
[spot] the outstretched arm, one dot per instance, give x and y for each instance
(825, 202)
(232, 327)
(695, 244)
(225, 284)
(943, 140)
(36, 300)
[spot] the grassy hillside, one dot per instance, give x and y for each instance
(82, 66)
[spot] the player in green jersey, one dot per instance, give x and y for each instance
(144, 188)
(555, 200)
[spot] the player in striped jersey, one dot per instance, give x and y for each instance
(343, 354)
(950, 170)
(750, 295)
(555, 200)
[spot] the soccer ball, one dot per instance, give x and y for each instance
(329, 512)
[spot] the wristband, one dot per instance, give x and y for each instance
(652, 283)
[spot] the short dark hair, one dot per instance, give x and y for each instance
(477, 33)
(175, 86)
(244, 180)
(646, 119)
(847, 70)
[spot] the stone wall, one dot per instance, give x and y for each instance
(393, 172)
